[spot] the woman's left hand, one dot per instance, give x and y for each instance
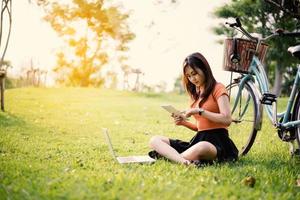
(191, 112)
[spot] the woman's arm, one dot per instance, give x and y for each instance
(179, 121)
(223, 117)
(190, 125)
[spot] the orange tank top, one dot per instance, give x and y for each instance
(211, 105)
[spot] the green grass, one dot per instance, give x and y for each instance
(52, 147)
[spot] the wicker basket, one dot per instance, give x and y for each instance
(246, 49)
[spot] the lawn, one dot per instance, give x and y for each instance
(52, 147)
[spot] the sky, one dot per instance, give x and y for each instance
(165, 34)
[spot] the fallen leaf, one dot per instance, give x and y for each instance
(298, 182)
(249, 181)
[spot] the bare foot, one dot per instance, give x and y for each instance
(187, 162)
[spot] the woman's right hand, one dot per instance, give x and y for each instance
(178, 119)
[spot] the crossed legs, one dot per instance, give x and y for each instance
(201, 150)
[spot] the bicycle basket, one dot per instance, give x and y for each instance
(245, 50)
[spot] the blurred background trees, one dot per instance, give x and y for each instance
(91, 30)
(104, 31)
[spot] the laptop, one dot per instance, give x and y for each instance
(125, 159)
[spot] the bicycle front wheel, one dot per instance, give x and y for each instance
(243, 112)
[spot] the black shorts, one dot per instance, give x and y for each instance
(226, 149)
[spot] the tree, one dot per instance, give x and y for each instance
(111, 80)
(137, 84)
(288, 80)
(261, 17)
(160, 87)
(126, 71)
(291, 7)
(178, 87)
(90, 29)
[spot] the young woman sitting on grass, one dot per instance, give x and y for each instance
(211, 109)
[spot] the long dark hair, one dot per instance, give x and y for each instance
(198, 61)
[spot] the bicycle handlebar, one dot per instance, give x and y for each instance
(279, 32)
(236, 24)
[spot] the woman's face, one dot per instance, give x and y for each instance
(196, 77)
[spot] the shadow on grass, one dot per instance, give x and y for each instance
(267, 163)
(10, 120)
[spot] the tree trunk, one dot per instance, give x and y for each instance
(278, 80)
(2, 82)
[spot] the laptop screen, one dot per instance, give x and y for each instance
(108, 141)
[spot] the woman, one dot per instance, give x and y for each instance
(211, 109)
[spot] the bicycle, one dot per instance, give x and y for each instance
(249, 92)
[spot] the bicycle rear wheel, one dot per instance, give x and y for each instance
(296, 116)
(242, 129)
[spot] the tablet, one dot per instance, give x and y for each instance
(171, 109)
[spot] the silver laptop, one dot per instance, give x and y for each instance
(127, 159)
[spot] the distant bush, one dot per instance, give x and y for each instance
(14, 82)
(9, 83)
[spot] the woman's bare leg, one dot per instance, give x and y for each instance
(201, 150)
(161, 144)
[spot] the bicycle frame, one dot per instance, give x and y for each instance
(257, 69)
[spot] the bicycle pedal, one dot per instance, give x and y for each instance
(268, 98)
(287, 138)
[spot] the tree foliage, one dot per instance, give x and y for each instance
(178, 87)
(260, 17)
(291, 7)
(90, 29)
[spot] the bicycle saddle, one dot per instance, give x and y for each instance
(295, 50)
